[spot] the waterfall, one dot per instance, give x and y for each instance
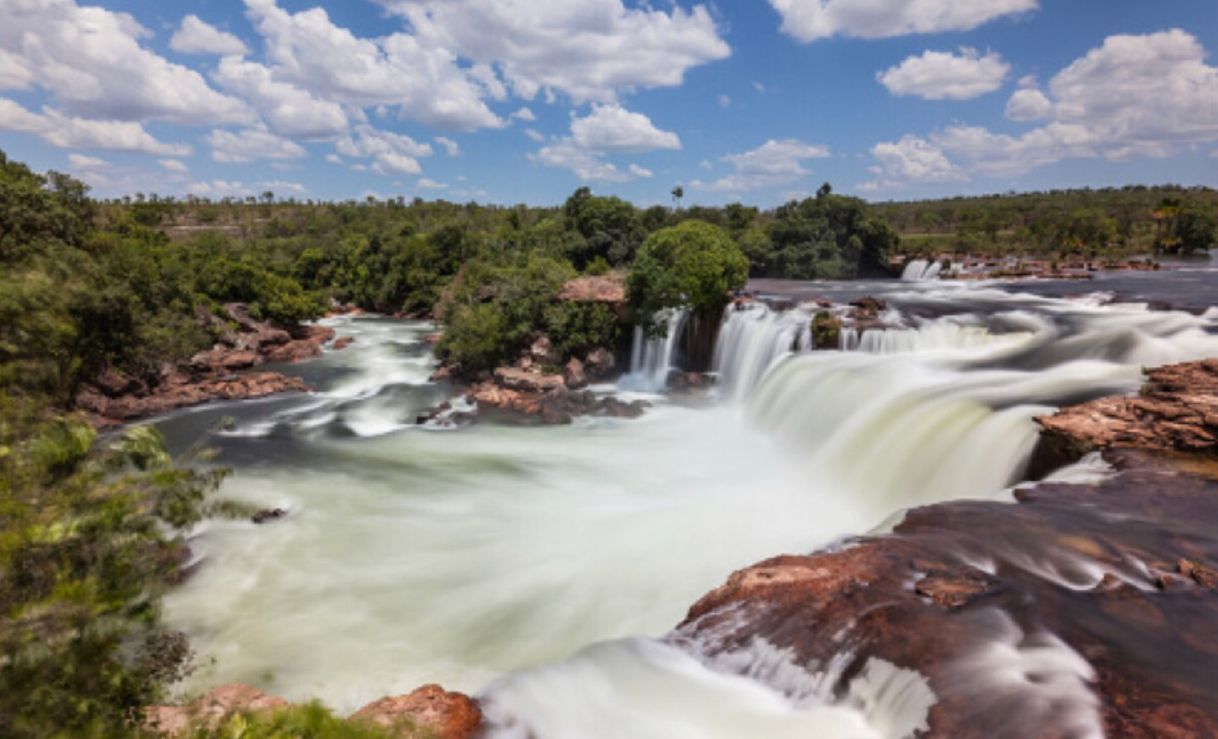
(653, 358)
(922, 270)
(752, 339)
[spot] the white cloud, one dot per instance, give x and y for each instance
(68, 132)
(450, 147)
(92, 62)
(220, 189)
(534, 134)
(607, 129)
(940, 75)
(912, 159)
(196, 36)
(809, 20)
(590, 50)
(424, 82)
(173, 165)
(430, 184)
(612, 128)
(391, 153)
(1028, 103)
(774, 163)
(524, 114)
(250, 145)
(80, 161)
(287, 108)
(1135, 96)
(725, 101)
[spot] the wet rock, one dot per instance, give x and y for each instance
(221, 359)
(440, 713)
(267, 515)
(692, 380)
(1092, 599)
(1177, 410)
(512, 378)
(181, 391)
(343, 342)
(210, 711)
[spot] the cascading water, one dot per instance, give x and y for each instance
(920, 270)
(653, 358)
(526, 562)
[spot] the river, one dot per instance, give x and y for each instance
(540, 567)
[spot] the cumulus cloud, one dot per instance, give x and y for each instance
(93, 64)
(429, 184)
(524, 114)
(941, 75)
(173, 165)
(612, 128)
(391, 153)
(774, 163)
(287, 108)
(196, 36)
(912, 159)
(68, 132)
(424, 82)
(250, 145)
(80, 161)
(809, 20)
(590, 50)
(1147, 95)
(607, 129)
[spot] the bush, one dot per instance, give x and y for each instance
(693, 265)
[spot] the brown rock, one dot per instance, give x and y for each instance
(520, 380)
(599, 364)
(609, 289)
(574, 375)
(343, 342)
(542, 351)
(431, 708)
(211, 710)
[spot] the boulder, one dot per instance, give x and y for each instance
(574, 375)
(542, 351)
(609, 289)
(442, 714)
(599, 364)
(343, 342)
(520, 380)
(221, 359)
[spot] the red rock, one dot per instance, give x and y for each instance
(599, 364)
(343, 342)
(609, 289)
(443, 714)
(574, 375)
(520, 380)
(211, 710)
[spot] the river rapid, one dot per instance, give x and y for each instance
(541, 567)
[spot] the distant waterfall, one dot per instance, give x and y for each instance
(922, 270)
(652, 359)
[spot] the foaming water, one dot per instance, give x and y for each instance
(653, 358)
(529, 562)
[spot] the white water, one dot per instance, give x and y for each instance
(921, 270)
(497, 558)
(653, 358)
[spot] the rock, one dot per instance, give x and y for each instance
(222, 360)
(269, 514)
(114, 383)
(956, 584)
(869, 306)
(1177, 410)
(609, 289)
(542, 351)
(443, 714)
(343, 342)
(599, 364)
(520, 380)
(181, 391)
(433, 339)
(444, 373)
(210, 711)
(692, 380)
(574, 375)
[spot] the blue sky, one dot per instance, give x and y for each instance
(525, 100)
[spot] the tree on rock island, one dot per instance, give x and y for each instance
(694, 265)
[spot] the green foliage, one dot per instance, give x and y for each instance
(694, 264)
(609, 227)
(88, 543)
(310, 721)
(578, 328)
(826, 237)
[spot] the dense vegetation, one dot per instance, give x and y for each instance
(1097, 223)
(90, 529)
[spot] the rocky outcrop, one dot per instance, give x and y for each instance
(440, 713)
(430, 712)
(244, 344)
(1176, 411)
(609, 289)
(1082, 609)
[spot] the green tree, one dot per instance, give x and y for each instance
(693, 265)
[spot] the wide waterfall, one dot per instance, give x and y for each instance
(541, 566)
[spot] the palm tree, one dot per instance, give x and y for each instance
(678, 192)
